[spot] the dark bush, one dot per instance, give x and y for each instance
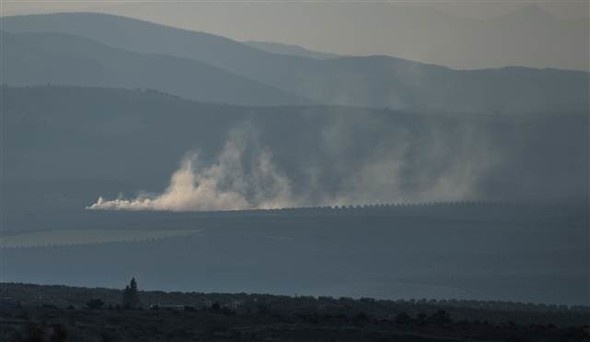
(403, 318)
(95, 304)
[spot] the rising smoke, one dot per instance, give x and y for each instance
(244, 175)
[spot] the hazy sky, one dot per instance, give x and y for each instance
(564, 9)
(452, 33)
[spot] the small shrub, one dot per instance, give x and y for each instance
(95, 304)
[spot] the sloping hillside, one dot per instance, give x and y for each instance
(65, 146)
(53, 58)
(290, 50)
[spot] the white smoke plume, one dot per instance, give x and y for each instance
(244, 175)
(235, 181)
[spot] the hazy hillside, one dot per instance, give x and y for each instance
(293, 50)
(54, 58)
(374, 81)
(66, 146)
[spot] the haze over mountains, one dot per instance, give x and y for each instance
(106, 112)
(462, 35)
(373, 81)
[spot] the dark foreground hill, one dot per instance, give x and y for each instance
(373, 81)
(59, 313)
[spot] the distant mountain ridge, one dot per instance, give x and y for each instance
(293, 50)
(373, 81)
(35, 58)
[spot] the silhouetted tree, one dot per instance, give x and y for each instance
(215, 307)
(440, 317)
(130, 295)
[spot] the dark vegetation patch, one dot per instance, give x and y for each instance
(60, 313)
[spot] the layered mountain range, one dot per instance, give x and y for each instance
(90, 49)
